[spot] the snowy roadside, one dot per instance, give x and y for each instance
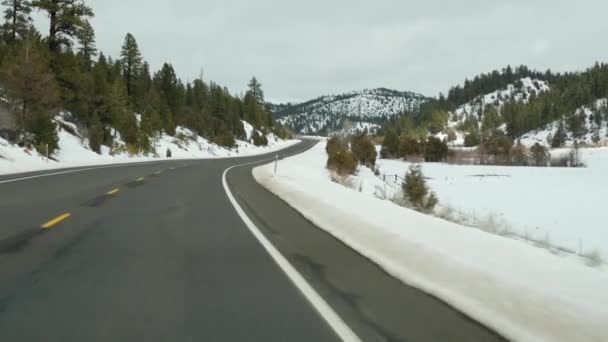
(523, 292)
(75, 152)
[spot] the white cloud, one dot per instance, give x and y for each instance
(300, 49)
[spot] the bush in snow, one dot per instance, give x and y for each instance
(594, 258)
(519, 155)
(410, 148)
(339, 158)
(364, 150)
(224, 138)
(416, 192)
(435, 150)
(259, 139)
(540, 155)
(472, 139)
(390, 145)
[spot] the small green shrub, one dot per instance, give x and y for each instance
(339, 158)
(435, 150)
(416, 192)
(364, 150)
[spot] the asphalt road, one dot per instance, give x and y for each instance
(156, 252)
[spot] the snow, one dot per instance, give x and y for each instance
(523, 292)
(365, 109)
(561, 205)
(521, 92)
(542, 136)
(74, 150)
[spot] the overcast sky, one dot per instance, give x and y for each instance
(303, 49)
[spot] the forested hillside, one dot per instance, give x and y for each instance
(62, 70)
(516, 103)
(350, 112)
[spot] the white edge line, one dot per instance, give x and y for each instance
(77, 170)
(327, 313)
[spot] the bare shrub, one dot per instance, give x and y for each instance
(594, 258)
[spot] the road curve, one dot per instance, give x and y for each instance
(156, 252)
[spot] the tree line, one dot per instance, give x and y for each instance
(41, 75)
(569, 92)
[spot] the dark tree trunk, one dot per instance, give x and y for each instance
(53, 44)
(14, 33)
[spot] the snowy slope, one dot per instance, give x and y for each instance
(364, 109)
(594, 134)
(522, 291)
(522, 91)
(74, 150)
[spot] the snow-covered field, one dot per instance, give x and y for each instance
(560, 206)
(524, 292)
(74, 151)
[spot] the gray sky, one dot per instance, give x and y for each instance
(302, 49)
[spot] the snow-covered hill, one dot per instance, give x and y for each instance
(594, 134)
(349, 112)
(74, 149)
(520, 91)
(523, 90)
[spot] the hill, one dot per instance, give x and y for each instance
(354, 111)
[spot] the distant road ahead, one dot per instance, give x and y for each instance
(157, 252)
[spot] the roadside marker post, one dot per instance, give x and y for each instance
(276, 164)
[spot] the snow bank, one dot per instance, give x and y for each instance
(74, 150)
(521, 291)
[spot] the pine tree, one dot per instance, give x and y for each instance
(17, 18)
(416, 191)
(66, 18)
(560, 136)
(86, 40)
(32, 90)
(255, 88)
(131, 64)
(96, 134)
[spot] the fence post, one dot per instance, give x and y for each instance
(47, 152)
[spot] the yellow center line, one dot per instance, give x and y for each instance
(113, 192)
(140, 179)
(55, 221)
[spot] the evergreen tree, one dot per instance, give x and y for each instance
(86, 40)
(32, 90)
(66, 18)
(390, 145)
(132, 64)
(16, 18)
(415, 190)
(560, 136)
(255, 88)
